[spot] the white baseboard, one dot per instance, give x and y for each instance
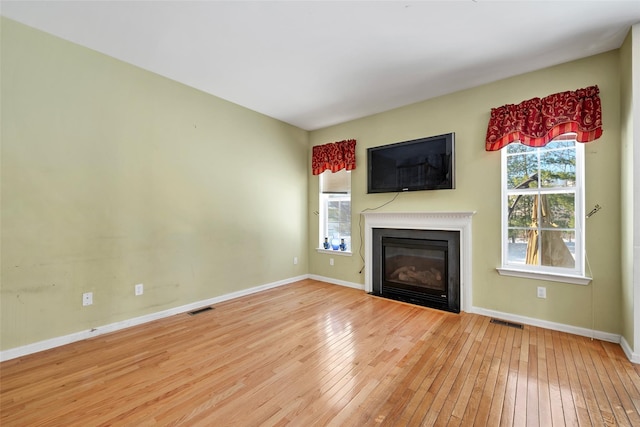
(337, 282)
(604, 336)
(585, 332)
(634, 357)
(36, 347)
(82, 335)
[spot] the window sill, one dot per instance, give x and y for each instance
(334, 252)
(538, 275)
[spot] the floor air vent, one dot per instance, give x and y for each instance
(505, 323)
(200, 310)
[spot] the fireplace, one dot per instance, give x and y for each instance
(422, 258)
(417, 266)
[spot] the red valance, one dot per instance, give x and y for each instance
(334, 156)
(537, 121)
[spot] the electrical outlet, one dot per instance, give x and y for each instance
(87, 298)
(330, 261)
(295, 260)
(542, 292)
(139, 289)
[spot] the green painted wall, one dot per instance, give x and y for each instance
(466, 113)
(113, 176)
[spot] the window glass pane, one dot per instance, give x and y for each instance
(345, 218)
(558, 210)
(335, 208)
(522, 211)
(339, 212)
(339, 220)
(517, 245)
(558, 143)
(521, 171)
(516, 147)
(541, 218)
(558, 248)
(558, 168)
(333, 211)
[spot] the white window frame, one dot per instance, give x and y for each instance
(323, 217)
(574, 275)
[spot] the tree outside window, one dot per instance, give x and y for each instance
(543, 195)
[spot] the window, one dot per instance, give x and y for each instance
(335, 208)
(543, 208)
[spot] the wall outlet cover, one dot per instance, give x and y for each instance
(87, 298)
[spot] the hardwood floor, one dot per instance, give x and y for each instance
(311, 353)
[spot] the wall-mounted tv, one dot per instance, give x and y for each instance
(419, 164)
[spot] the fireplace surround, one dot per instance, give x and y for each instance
(402, 230)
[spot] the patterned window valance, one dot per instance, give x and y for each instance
(334, 156)
(537, 121)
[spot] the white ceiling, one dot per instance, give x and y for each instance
(318, 63)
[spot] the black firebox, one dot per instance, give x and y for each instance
(417, 266)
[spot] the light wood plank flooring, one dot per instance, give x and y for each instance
(311, 353)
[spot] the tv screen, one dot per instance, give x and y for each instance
(419, 164)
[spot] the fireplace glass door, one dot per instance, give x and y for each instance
(415, 265)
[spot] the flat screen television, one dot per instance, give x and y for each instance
(419, 164)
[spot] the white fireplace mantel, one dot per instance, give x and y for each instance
(449, 221)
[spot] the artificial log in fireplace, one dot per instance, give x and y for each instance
(417, 266)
